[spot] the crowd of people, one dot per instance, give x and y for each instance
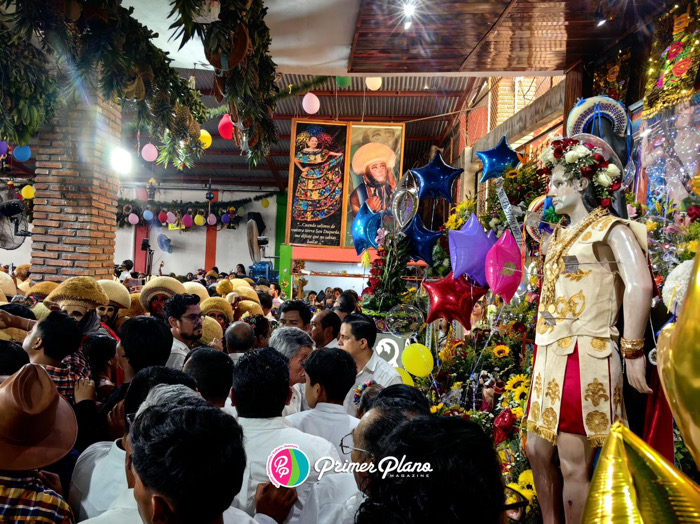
(164, 404)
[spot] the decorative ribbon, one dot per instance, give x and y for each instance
(508, 210)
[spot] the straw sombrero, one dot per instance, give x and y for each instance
(116, 292)
(168, 286)
(195, 288)
(218, 304)
(79, 291)
(372, 152)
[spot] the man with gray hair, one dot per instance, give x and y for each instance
(296, 345)
(239, 337)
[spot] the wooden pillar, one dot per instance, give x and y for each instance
(573, 90)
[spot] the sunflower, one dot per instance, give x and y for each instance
(501, 351)
(516, 381)
(512, 173)
(520, 394)
(526, 480)
(518, 412)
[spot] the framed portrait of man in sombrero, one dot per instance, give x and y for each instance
(373, 170)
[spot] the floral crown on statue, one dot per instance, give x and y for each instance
(586, 156)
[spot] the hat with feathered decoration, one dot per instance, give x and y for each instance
(41, 290)
(79, 291)
(160, 286)
(248, 293)
(219, 305)
(211, 329)
(117, 293)
(195, 288)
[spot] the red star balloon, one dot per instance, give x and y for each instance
(453, 299)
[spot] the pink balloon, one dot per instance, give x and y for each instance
(503, 267)
(226, 127)
(171, 218)
(149, 152)
(187, 221)
(133, 219)
(311, 103)
(211, 220)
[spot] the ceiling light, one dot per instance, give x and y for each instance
(409, 9)
(598, 16)
(407, 25)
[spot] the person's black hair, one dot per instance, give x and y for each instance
(353, 293)
(241, 266)
(99, 349)
(367, 399)
(340, 289)
(297, 305)
(61, 335)
(223, 275)
(12, 357)
(260, 324)
(189, 455)
(148, 378)
(215, 270)
(236, 344)
(147, 341)
(213, 372)
(263, 282)
(334, 369)
(308, 294)
(19, 310)
(178, 304)
(361, 327)
(211, 289)
(261, 383)
(265, 300)
(411, 395)
(465, 484)
(346, 302)
(189, 276)
(128, 264)
(331, 320)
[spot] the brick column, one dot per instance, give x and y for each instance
(76, 194)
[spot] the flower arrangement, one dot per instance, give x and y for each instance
(583, 160)
(385, 285)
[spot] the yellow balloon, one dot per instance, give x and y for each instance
(265, 203)
(27, 192)
(199, 220)
(633, 484)
(678, 357)
(205, 138)
(407, 379)
(241, 212)
(417, 360)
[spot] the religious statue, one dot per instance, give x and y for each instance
(595, 263)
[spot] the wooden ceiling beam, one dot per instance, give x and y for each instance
(398, 119)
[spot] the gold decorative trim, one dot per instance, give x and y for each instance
(538, 388)
(599, 344)
(597, 422)
(549, 419)
(596, 392)
(597, 441)
(564, 342)
(553, 392)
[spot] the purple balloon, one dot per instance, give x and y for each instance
(225, 218)
(492, 236)
(468, 249)
(3, 148)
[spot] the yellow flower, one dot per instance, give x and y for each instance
(504, 403)
(526, 480)
(518, 412)
(457, 386)
(516, 381)
(693, 246)
(445, 355)
(651, 225)
(433, 409)
(440, 405)
(512, 173)
(520, 394)
(501, 351)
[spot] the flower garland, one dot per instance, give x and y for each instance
(583, 160)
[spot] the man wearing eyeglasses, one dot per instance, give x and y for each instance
(184, 316)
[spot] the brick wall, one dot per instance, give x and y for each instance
(76, 194)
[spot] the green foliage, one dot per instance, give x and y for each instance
(386, 276)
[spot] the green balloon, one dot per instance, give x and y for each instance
(343, 81)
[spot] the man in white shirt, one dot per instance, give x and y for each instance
(98, 477)
(358, 333)
(296, 345)
(213, 372)
(295, 313)
(184, 316)
(325, 326)
(239, 337)
(330, 373)
(260, 391)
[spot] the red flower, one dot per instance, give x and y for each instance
(659, 279)
(587, 171)
(598, 157)
(603, 164)
(675, 50)
(606, 202)
(376, 271)
(558, 153)
(382, 253)
(682, 67)
(614, 93)
(374, 282)
(556, 143)
(443, 242)
(615, 186)
(694, 213)
(380, 262)
(368, 291)
(545, 171)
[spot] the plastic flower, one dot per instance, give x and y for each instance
(518, 412)
(603, 178)
(511, 173)
(651, 225)
(520, 394)
(527, 480)
(693, 246)
(516, 381)
(501, 351)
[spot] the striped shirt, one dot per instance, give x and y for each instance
(26, 499)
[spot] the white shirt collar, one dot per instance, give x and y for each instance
(327, 407)
(116, 454)
(125, 500)
(371, 364)
(262, 423)
(178, 344)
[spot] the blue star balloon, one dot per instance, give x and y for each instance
(422, 241)
(364, 229)
(436, 178)
(497, 160)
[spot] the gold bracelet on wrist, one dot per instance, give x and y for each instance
(632, 349)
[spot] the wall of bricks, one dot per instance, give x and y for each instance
(76, 194)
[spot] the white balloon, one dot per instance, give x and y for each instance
(311, 103)
(373, 82)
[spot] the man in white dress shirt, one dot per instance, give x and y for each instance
(330, 373)
(213, 372)
(325, 326)
(98, 477)
(239, 337)
(260, 391)
(296, 345)
(184, 316)
(358, 333)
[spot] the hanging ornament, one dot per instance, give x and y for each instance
(373, 83)
(148, 215)
(171, 218)
(27, 192)
(199, 220)
(22, 153)
(436, 178)
(149, 152)
(265, 203)
(241, 212)
(209, 196)
(226, 127)
(452, 299)
(205, 138)
(212, 219)
(133, 219)
(3, 148)
(343, 81)
(497, 159)
(151, 189)
(162, 217)
(311, 103)
(187, 220)
(225, 218)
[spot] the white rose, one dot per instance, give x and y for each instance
(613, 170)
(582, 151)
(547, 156)
(602, 178)
(571, 156)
